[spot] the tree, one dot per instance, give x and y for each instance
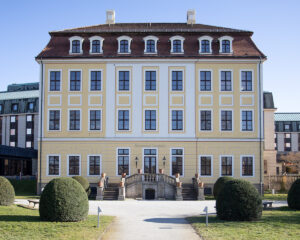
(291, 159)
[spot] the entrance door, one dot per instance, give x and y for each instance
(149, 160)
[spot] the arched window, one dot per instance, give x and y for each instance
(124, 44)
(226, 44)
(177, 44)
(75, 45)
(96, 44)
(150, 44)
(205, 44)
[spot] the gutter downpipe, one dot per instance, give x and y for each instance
(41, 87)
(260, 127)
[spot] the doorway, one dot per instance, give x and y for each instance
(150, 194)
(150, 161)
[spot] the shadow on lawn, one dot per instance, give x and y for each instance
(19, 218)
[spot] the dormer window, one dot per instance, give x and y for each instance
(177, 44)
(96, 44)
(75, 45)
(124, 44)
(226, 44)
(150, 44)
(205, 44)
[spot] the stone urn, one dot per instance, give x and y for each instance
(177, 175)
(179, 184)
(140, 171)
(123, 175)
(201, 184)
(196, 175)
(161, 171)
(121, 184)
(103, 175)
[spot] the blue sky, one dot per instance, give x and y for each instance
(25, 25)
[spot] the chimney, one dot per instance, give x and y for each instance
(110, 17)
(191, 16)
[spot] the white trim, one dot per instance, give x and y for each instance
(101, 120)
(230, 39)
(54, 70)
(220, 120)
(88, 165)
(183, 120)
(94, 95)
(54, 95)
(90, 79)
(210, 47)
(155, 39)
(117, 120)
(226, 95)
(73, 155)
(171, 79)
(180, 38)
(232, 166)
(47, 167)
(48, 119)
(150, 95)
(175, 148)
(211, 80)
(156, 120)
(80, 125)
(202, 95)
(157, 83)
(69, 79)
(220, 79)
(74, 95)
(129, 39)
(246, 96)
(241, 120)
(143, 155)
(101, 44)
(176, 95)
(253, 166)
(123, 95)
(118, 79)
(212, 117)
(80, 39)
(129, 162)
(246, 70)
(211, 165)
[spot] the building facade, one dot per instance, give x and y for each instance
(19, 129)
(182, 97)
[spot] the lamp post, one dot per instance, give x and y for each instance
(136, 161)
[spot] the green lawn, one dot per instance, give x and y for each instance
(281, 223)
(17, 223)
(275, 197)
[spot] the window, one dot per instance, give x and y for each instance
(28, 144)
(150, 81)
(13, 126)
(124, 44)
(123, 120)
(14, 107)
(150, 119)
(177, 83)
(30, 106)
(226, 165)
(94, 165)
(96, 44)
(95, 81)
(1, 129)
(75, 46)
(177, 120)
(95, 119)
(74, 165)
(123, 161)
(298, 141)
(177, 161)
(177, 44)
(287, 142)
(247, 166)
(275, 141)
(226, 84)
(1, 108)
(205, 80)
(150, 44)
(246, 81)
(55, 80)
(205, 44)
(29, 137)
(54, 120)
(225, 44)
(150, 161)
(205, 120)
(205, 166)
(53, 165)
(75, 81)
(74, 122)
(287, 126)
(123, 80)
(226, 120)
(247, 121)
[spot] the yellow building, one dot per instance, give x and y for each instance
(182, 97)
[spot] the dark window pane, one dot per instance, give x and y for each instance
(74, 123)
(75, 81)
(123, 120)
(177, 46)
(246, 81)
(123, 80)
(124, 46)
(150, 81)
(150, 46)
(177, 120)
(55, 81)
(205, 166)
(74, 165)
(205, 81)
(95, 80)
(177, 82)
(225, 46)
(75, 46)
(205, 46)
(95, 46)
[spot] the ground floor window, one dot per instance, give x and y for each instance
(247, 166)
(15, 167)
(205, 165)
(74, 165)
(123, 161)
(150, 160)
(226, 165)
(177, 161)
(53, 165)
(94, 165)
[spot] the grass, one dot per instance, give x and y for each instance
(275, 197)
(17, 223)
(281, 223)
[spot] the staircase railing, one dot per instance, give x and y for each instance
(150, 178)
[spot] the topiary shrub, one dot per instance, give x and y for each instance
(220, 184)
(84, 183)
(239, 200)
(293, 198)
(7, 192)
(63, 200)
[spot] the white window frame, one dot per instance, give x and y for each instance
(47, 167)
(144, 119)
(90, 79)
(118, 77)
(73, 155)
(129, 39)
(211, 165)
(212, 122)
(253, 166)
(117, 127)
(80, 125)
(155, 39)
(220, 80)
(143, 155)
(246, 70)
(48, 122)
(183, 80)
(101, 120)
(69, 80)
(80, 39)
(241, 120)
(175, 148)
(101, 39)
(49, 74)
(151, 70)
(88, 164)
(182, 42)
(211, 80)
(230, 39)
(210, 39)
(117, 164)
(183, 120)
(220, 165)
(220, 118)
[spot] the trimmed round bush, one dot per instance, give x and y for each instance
(63, 200)
(239, 200)
(293, 198)
(220, 184)
(7, 192)
(84, 183)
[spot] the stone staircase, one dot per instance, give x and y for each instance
(111, 192)
(188, 192)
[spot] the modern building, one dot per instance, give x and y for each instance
(182, 97)
(19, 130)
